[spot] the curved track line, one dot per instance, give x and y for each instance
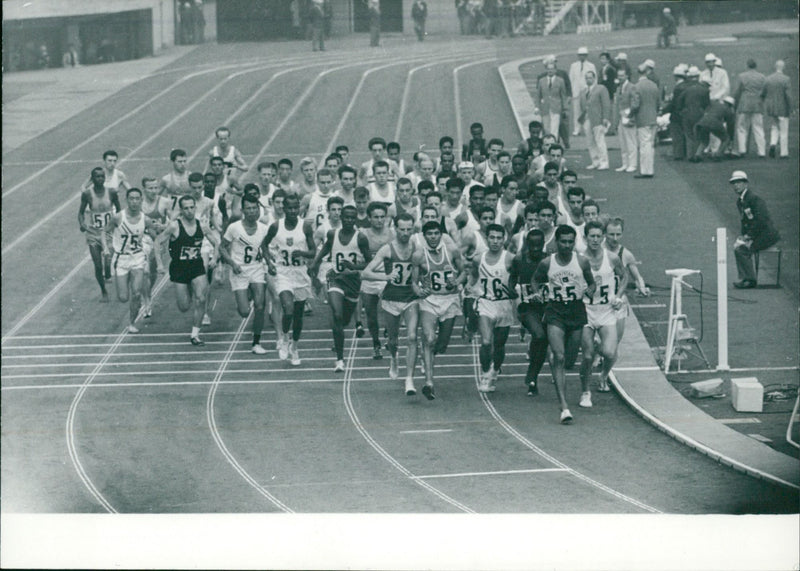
(351, 412)
(212, 424)
(539, 451)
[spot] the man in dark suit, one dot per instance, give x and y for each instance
(675, 120)
(691, 103)
(758, 232)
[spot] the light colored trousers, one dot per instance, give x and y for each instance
(646, 137)
(628, 145)
(576, 112)
(598, 151)
(779, 127)
(744, 121)
(552, 121)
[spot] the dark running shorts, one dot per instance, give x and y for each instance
(569, 316)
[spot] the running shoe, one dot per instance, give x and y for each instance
(132, 329)
(376, 353)
(493, 378)
(359, 330)
(258, 349)
(283, 348)
(586, 400)
(484, 385)
(339, 367)
(148, 311)
(566, 416)
(393, 369)
(197, 342)
(294, 354)
(427, 390)
(206, 319)
(533, 389)
(411, 390)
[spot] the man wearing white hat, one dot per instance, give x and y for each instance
(577, 78)
(716, 77)
(758, 231)
(691, 104)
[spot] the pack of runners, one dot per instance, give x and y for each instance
(502, 239)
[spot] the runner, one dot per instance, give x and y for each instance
(406, 202)
(314, 206)
(381, 189)
(98, 205)
(530, 311)
(235, 164)
(392, 265)
(473, 244)
(115, 178)
(509, 209)
(601, 309)
(175, 183)
(349, 250)
(241, 250)
(308, 183)
(156, 208)
(495, 312)
(612, 243)
(293, 245)
(377, 235)
(128, 229)
(285, 181)
(361, 199)
(437, 273)
(347, 184)
(186, 269)
(567, 277)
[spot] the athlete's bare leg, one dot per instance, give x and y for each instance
(560, 342)
(96, 252)
(370, 302)
(411, 315)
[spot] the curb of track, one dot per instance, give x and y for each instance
(647, 391)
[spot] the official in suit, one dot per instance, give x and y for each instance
(596, 118)
(777, 107)
(551, 98)
(675, 120)
(577, 78)
(750, 109)
(626, 127)
(644, 110)
(563, 126)
(719, 120)
(691, 103)
(758, 231)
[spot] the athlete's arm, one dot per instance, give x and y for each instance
(512, 282)
(632, 266)
(271, 232)
(239, 161)
(113, 196)
(591, 285)
(113, 222)
(85, 201)
(312, 249)
(304, 202)
(621, 276)
(123, 180)
(513, 274)
(539, 280)
(375, 269)
(461, 220)
(420, 288)
(170, 231)
(458, 262)
(324, 251)
(225, 253)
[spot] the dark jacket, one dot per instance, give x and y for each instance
(692, 101)
(756, 221)
(671, 106)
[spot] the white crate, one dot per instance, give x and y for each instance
(747, 394)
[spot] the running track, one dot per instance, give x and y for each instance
(95, 420)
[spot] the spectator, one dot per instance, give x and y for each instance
(186, 21)
(577, 79)
(374, 7)
(596, 116)
(563, 125)
(327, 19)
(199, 21)
(644, 110)
(691, 103)
(491, 12)
(551, 99)
(758, 231)
(675, 121)
(669, 28)
(70, 58)
(718, 120)
(750, 109)
(294, 7)
(626, 125)
(316, 16)
(778, 106)
(419, 13)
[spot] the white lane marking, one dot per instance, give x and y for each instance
(212, 425)
(457, 98)
(760, 438)
(541, 452)
(749, 420)
(351, 412)
(495, 473)
(647, 305)
(431, 431)
(27, 317)
(737, 370)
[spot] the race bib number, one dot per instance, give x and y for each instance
(190, 253)
(440, 279)
(100, 219)
(341, 256)
(403, 277)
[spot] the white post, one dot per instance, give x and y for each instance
(722, 300)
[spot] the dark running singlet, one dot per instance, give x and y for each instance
(184, 251)
(399, 289)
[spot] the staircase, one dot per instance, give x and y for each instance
(555, 12)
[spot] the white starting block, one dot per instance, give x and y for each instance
(747, 394)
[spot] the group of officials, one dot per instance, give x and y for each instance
(706, 117)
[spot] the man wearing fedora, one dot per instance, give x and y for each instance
(757, 231)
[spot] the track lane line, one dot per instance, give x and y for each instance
(541, 452)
